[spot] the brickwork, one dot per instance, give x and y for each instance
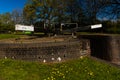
(48, 51)
(106, 47)
(115, 49)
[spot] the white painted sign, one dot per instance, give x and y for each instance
(96, 26)
(24, 27)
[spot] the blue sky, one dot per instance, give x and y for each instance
(10, 5)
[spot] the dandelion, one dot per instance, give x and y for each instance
(51, 76)
(63, 76)
(71, 69)
(48, 78)
(3, 62)
(58, 72)
(90, 73)
(66, 71)
(53, 72)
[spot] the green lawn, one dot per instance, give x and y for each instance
(18, 35)
(7, 36)
(80, 69)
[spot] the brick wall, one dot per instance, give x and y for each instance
(106, 47)
(115, 49)
(45, 51)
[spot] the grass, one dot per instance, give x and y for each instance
(94, 33)
(80, 69)
(18, 35)
(7, 36)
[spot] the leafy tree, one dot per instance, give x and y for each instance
(47, 11)
(6, 23)
(92, 9)
(17, 16)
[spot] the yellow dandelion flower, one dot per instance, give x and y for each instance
(108, 71)
(48, 78)
(58, 71)
(66, 71)
(51, 76)
(71, 69)
(90, 73)
(63, 76)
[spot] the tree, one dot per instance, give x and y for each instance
(75, 11)
(17, 16)
(6, 23)
(114, 8)
(91, 9)
(29, 13)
